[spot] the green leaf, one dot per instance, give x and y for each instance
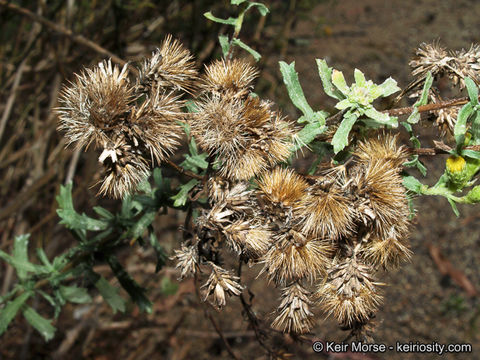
(326, 76)
(22, 266)
(237, 2)
(307, 135)
(261, 7)
(339, 81)
(412, 184)
(70, 218)
(472, 91)
(44, 259)
(181, 198)
(461, 124)
(414, 117)
(20, 254)
(340, 139)
(256, 55)
(454, 207)
(161, 256)
(229, 21)
(295, 92)
(136, 292)
(42, 325)
(224, 43)
(359, 78)
(423, 99)
(141, 225)
(195, 162)
(104, 212)
(389, 87)
(110, 294)
(475, 128)
(8, 313)
(75, 294)
(379, 117)
(471, 153)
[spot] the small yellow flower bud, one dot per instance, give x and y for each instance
(457, 172)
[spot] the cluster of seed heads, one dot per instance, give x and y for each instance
(320, 239)
(455, 65)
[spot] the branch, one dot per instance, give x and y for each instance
(183, 171)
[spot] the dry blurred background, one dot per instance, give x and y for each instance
(42, 44)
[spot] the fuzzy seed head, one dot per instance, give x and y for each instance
(187, 260)
(295, 257)
(220, 283)
(97, 102)
(251, 240)
(294, 313)
(384, 147)
(387, 253)
(283, 187)
(328, 213)
(170, 67)
(349, 293)
(230, 78)
(124, 169)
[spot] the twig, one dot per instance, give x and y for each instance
(214, 323)
(183, 171)
(80, 39)
(11, 98)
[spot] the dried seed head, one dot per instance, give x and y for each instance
(187, 260)
(384, 147)
(283, 187)
(294, 313)
(467, 64)
(246, 135)
(124, 169)
(295, 257)
(230, 78)
(349, 293)
(328, 214)
(220, 282)
(388, 252)
(95, 104)
(251, 240)
(153, 125)
(384, 201)
(430, 57)
(171, 66)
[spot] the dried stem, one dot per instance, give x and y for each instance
(212, 320)
(183, 171)
(65, 32)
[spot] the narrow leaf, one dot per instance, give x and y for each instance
(224, 43)
(256, 55)
(136, 292)
(412, 184)
(340, 139)
(8, 313)
(110, 294)
(261, 8)
(359, 78)
(75, 294)
(42, 325)
(326, 76)
(141, 225)
(389, 87)
(295, 92)
(181, 198)
(461, 124)
(229, 21)
(20, 254)
(472, 91)
(339, 81)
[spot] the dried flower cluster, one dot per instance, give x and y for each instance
(132, 122)
(320, 240)
(456, 65)
(244, 134)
